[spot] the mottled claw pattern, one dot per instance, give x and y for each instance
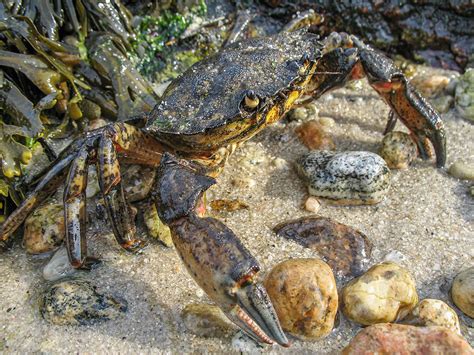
(212, 253)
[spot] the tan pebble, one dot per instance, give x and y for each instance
(385, 293)
(326, 121)
(433, 312)
(398, 150)
(280, 163)
(298, 114)
(206, 320)
(407, 339)
(244, 183)
(462, 291)
(97, 123)
(461, 170)
(312, 110)
(44, 229)
(312, 204)
(156, 228)
(313, 136)
(430, 85)
(304, 294)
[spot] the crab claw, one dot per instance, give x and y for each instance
(212, 253)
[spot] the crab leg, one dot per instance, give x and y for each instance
(351, 59)
(212, 253)
(120, 137)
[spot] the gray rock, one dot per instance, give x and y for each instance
(77, 302)
(59, 266)
(347, 178)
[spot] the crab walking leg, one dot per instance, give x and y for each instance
(212, 253)
(351, 59)
(116, 204)
(75, 212)
(126, 140)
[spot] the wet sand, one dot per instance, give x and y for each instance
(425, 223)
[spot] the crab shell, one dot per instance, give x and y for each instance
(205, 109)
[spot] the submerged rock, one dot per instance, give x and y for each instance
(44, 229)
(59, 266)
(462, 291)
(347, 178)
(433, 312)
(398, 150)
(342, 247)
(407, 339)
(385, 293)
(461, 170)
(206, 320)
(77, 302)
(304, 294)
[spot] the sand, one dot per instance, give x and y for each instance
(425, 223)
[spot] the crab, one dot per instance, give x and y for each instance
(203, 116)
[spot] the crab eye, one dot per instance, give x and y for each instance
(250, 100)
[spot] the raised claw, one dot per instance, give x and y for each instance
(212, 253)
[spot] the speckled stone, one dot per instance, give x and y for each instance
(206, 320)
(462, 291)
(77, 302)
(44, 229)
(407, 339)
(385, 293)
(433, 312)
(347, 178)
(398, 150)
(304, 294)
(345, 249)
(464, 95)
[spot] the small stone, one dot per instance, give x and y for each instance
(280, 163)
(304, 294)
(443, 103)
(44, 229)
(92, 182)
(298, 114)
(224, 205)
(96, 123)
(312, 204)
(244, 183)
(326, 121)
(385, 293)
(347, 178)
(406, 339)
(77, 302)
(156, 228)
(461, 170)
(430, 85)
(90, 109)
(462, 291)
(345, 249)
(138, 181)
(464, 95)
(398, 150)
(206, 320)
(59, 266)
(313, 136)
(433, 312)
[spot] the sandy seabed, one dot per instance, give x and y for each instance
(425, 223)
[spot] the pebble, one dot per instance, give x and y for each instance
(298, 114)
(407, 339)
(156, 228)
(327, 121)
(280, 163)
(44, 228)
(462, 291)
(347, 178)
(313, 136)
(304, 294)
(398, 150)
(430, 85)
(385, 293)
(345, 249)
(461, 170)
(464, 95)
(58, 266)
(442, 103)
(77, 302)
(433, 312)
(138, 181)
(206, 320)
(92, 182)
(312, 204)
